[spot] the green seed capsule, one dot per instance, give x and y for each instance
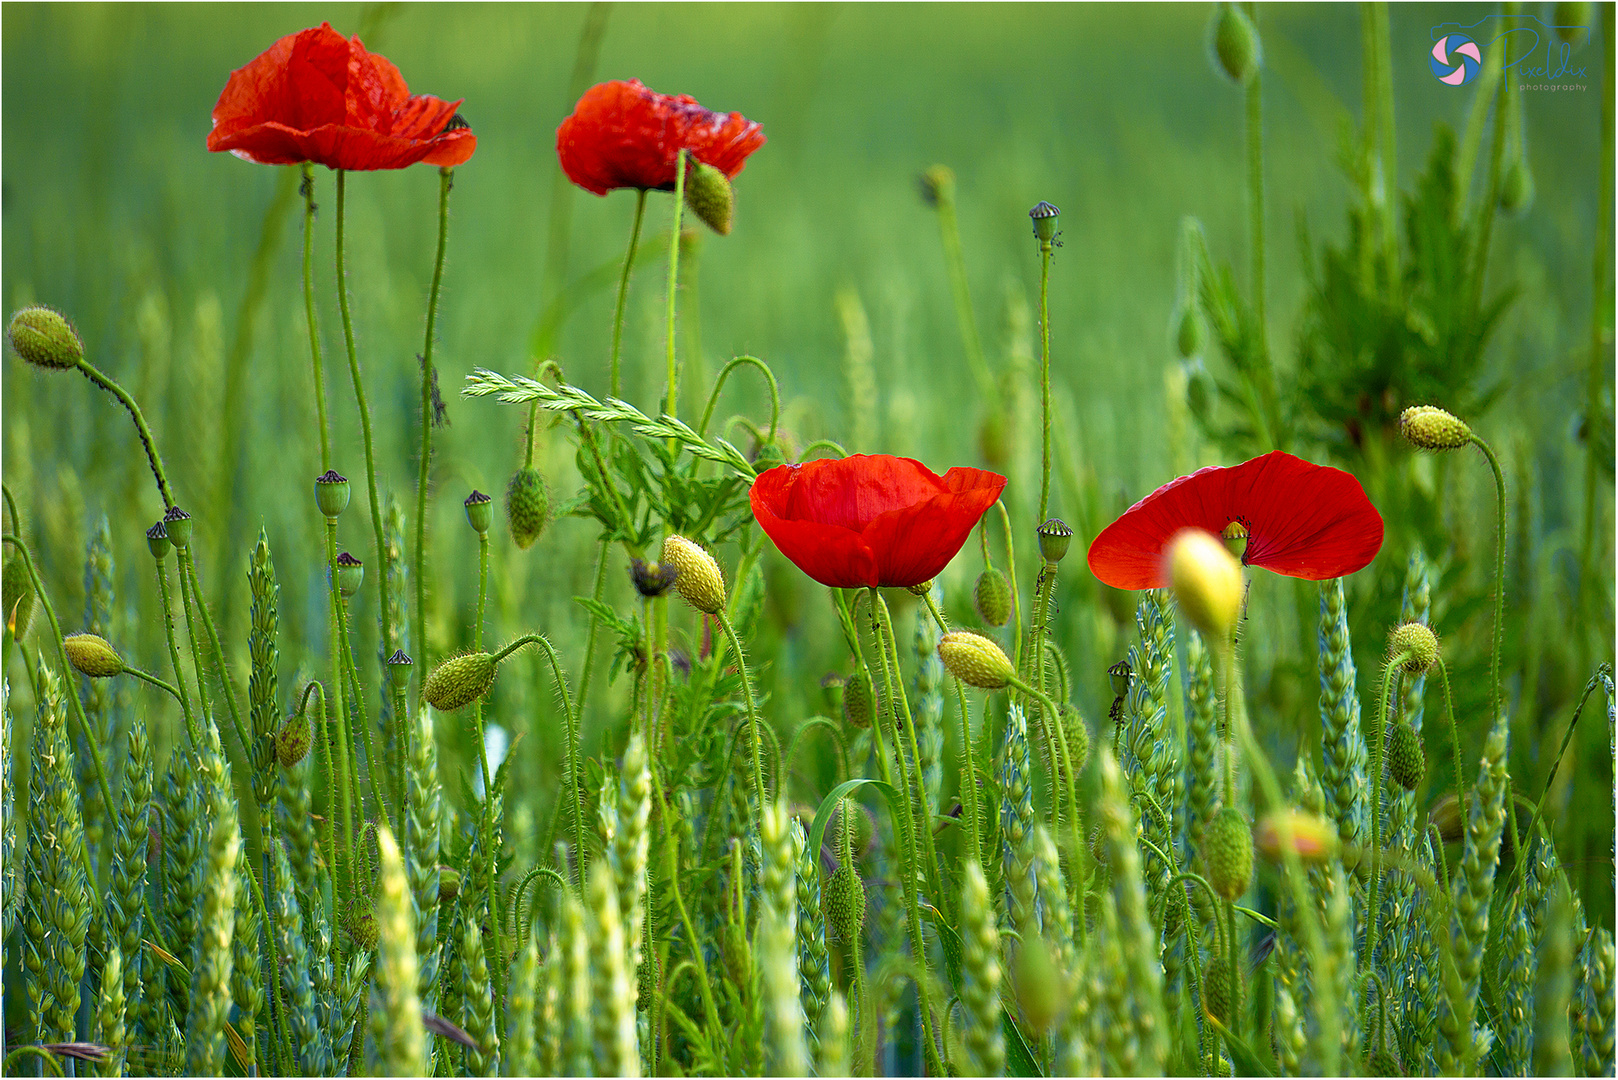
(350, 574)
(709, 195)
(1046, 218)
(178, 523)
(859, 699)
(1054, 539)
(1236, 44)
(992, 597)
(528, 505)
(157, 540)
(331, 493)
(479, 511)
(399, 666)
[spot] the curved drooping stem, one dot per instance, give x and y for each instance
(418, 639)
(1499, 574)
(148, 444)
(1378, 742)
(752, 711)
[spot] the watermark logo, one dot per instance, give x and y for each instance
(1538, 55)
(1455, 59)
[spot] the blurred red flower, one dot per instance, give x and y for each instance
(873, 520)
(622, 135)
(1303, 520)
(316, 96)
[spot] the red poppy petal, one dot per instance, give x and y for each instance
(375, 89)
(914, 544)
(422, 117)
(264, 144)
(452, 148)
(829, 554)
(1306, 521)
(854, 491)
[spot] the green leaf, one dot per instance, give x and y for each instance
(1247, 1062)
(1019, 1059)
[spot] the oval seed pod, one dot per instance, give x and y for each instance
(992, 597)
(1217, 993)
(459, 681)
(1407, 761)
(859, 699)
(479, 511)
(698, 577)
(93, 655)
(1227, 848)
(1432, 428)
(1236, 44)
(331, 493)
(292, 741)
(843, 902)
(975, 660)
(709, 195)
(528, 507)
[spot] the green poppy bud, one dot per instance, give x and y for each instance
(331, 493)
(360, 922)
(157, 540)
(1054, 538)
(1078, 737)
(479, 511)
(399, 666)
(1217, 993)
(178, 523)
(1407, 761)
(292, 741)
(859, 699)
(697, 575)
(46, 339)
(1517, 187)
(1236, 44)
(843, 902)
(709, 195)
(459, 681)
(1189, 334)
(93, 655)
(920, 588)
(1227, 850)
(1417, 643)
(350, 574)
(992, 597)
(1046, 218)
(18, 589)
(860, 820)
(528, 507)
(1432, 428)
(975, 660)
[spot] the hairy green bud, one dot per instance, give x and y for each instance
(43, 337)
(459, 681)
(528, 506)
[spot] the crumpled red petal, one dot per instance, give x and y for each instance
(1304, 520)
(316, 96)
(623, 135)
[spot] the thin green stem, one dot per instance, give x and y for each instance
(1539, 805)
(1255, 183)
(1011, 573)
(195, 639)
(1499, 575)
(308, 189)
(969, 781)
(488, 824)
(1045, 249)
(174, 650)
(373, 765)
(1378, 742)
(674, 278)
(1454, 730)
(188, 567)
(382, 556)
(752, 712)
(146, 676)
(346, 794)
(623, 291)
(153, 458)
(719, 384)
(418, 637)
(671, 859)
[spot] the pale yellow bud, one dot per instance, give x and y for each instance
(700, 580)
(975, 660)
(1207, 581)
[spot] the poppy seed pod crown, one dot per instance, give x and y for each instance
(157, 541)
(43, 337)
(1054, 539)
(178, 525)
(479, 512)
(1045, 218)
(331, 493)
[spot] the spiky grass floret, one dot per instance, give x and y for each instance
(246, 971)
(814, 959)
(264, 704)
(776, 938)
(286, 923)
(1015, 773)
(612, 996)
(927, 703)
(1593, 1003)
(210, 973)
(125, 911)
(185, 834)
(629, 849)
(1136, 934)
(980, 985)
(57, 922)
(395, 1017)
(575, 985)
(1155, 754)
(843, 902)
(1343, 776)
(1202, 739)
(422, 840)
(1553, 988)
(296, 829)
(548, 1012)
(518, 1056)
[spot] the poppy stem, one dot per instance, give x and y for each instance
(382, 559)
(146, 441)
(487, 824)
(308, 189)
(418, 636)
(969, 779)
(752, 712)
(1454, 731)
(674, 278)
(340, 691)
(1045, 248)
(174, 649)
(1373, 912)
(623, 292)
(1011, 572)
(1499, 573)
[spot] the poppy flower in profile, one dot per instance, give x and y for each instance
(622, 135)
(1296, 518)
(317, 96)
(871, 520)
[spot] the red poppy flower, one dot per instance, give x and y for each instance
(1303, 520)
(871, 520)
(316, 96)
(622, 135)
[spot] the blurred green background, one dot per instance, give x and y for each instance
(115, 213)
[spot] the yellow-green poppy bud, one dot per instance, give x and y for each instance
(1236, 44)
(992, 597)
(93, 655)
(1207, 582)
(449, 883)
(920, 588)
(975, 660)
(459, 681)
(709, 195)
(46, 339)
(1227, 850)
(1432, 428)
(698, 577)
(1417, 643)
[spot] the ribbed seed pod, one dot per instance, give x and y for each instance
(184, 838)
(519, 1057)
(246, 972)
(1015, 773)
(927, 704)
(833, 1059)
(264, 699)
(629, 848)
(980, 977)
(1343, 776)
(548, 1012)
(395, 1016)
(1553, 987)
(109, 1022)
(787, 1054)
(1202, 739)
(814, 960)
(210, 972)
(1593, 1003)
(1473, 885)
(612, 996)
(297, 992)
(1137, 936)
(127, 886)
(58, 895)
(422, 841)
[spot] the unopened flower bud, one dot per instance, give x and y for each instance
(93, 655)
(709, 195)
(157, 540)
(1236, 44)
(1217, 993)
(46, 339)
(697, 575)
(1054, 538)
(479, 511)
(843, 903)
(859, 699)
(1207, 582)
(1227, 849)
(992, 597)
(1417, 643)
(936, 184)
(459, 681)
(350, 574)
(399, 666)
(652, 579)
(975, 660)
(1407, 761)
(1449, 817)
(528, 507)
(920, 588)
(292, 741)
(1432, 428)
(18, 589)
(360, 922)
(331, 493)
(1045, 217)
(178, 524)
(1189, 334)
(1517, 187)
(1313, 839)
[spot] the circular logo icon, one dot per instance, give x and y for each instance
(1455, 59)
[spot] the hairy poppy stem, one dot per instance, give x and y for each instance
(1499, 573)
(752, 712)
(308, 189)
(674, 278)
(345, 794)
(969, 781)
(487, 823)
(623, 292)
(174, 649)
(1378, 740)
(146, 441)
(1045, 249)
(1011, 573)
(418, 637)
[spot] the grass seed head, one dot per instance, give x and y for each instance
(43, 337)
(1407, 762)
(1228, 851)
(975, 660)
(709, 195)
(992, 597)
(528, 506)
(1431, 428)
(697, 575)
(1417, 643)
(459, 681)
(93, 655)
(331, 493)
